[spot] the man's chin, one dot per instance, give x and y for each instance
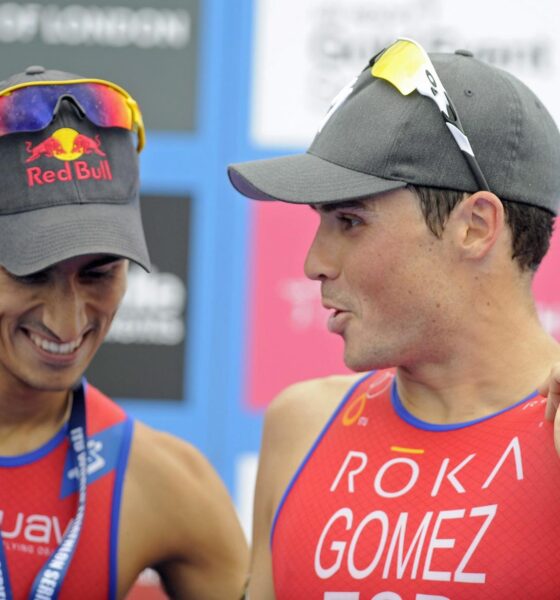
(357, 364)
(361, 363)
(53, 384)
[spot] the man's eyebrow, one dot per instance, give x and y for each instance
(328, 207)
(104, 260)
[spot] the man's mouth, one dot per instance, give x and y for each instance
(337, 320)
(332, 306)
(53, 347)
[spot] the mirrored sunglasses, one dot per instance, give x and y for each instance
(28, 107)
(407, 66)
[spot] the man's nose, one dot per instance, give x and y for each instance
(321, 261)
(64, 310)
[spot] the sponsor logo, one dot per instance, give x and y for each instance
(353, 412)
(68, 146)
(102, 455)
(30, 528)
(95, 460)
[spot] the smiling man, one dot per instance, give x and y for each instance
(434, 475)
(88, 498)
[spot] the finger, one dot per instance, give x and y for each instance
(551, 389)
(544, 386)
(552, 382)
(557, 432)
(553, 400)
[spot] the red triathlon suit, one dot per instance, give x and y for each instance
(388, 507)
(38, 499)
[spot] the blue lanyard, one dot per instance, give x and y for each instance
(49, 580)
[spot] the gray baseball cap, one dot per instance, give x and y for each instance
(378, 140)
(67, 190)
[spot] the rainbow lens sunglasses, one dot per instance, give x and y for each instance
(30, 106)
(407, 66)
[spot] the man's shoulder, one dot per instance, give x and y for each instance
(293, 421)
(166, 483)
(102, 411)
(165, 457)
(295, 418)
(181, 514)
(154, 453)
(314, 399)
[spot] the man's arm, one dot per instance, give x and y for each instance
(183, 522)
(292, 423)
(261, 581)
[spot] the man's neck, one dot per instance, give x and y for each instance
(481, 377)
(29, 418)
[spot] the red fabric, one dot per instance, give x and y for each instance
(33, 516)
(385, 509)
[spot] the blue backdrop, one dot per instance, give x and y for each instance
(195, 164)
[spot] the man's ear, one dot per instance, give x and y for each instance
(477, 223)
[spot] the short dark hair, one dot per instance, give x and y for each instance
(531, 226)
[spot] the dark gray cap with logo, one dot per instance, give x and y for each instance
(378, 140)
(68, 190)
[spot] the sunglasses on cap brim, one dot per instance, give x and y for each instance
(407, 66)
(30, 106)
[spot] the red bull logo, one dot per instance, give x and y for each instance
(49, 147)
(66, 145)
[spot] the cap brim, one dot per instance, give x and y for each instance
(34, 240)
(305, 179)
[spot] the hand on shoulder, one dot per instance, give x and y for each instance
(551, 389)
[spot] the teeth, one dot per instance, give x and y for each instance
(53, 347)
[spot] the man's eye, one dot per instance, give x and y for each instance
(98, 273)
(349, 221)
(31, 279)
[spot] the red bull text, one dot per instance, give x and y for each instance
(67, 145)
